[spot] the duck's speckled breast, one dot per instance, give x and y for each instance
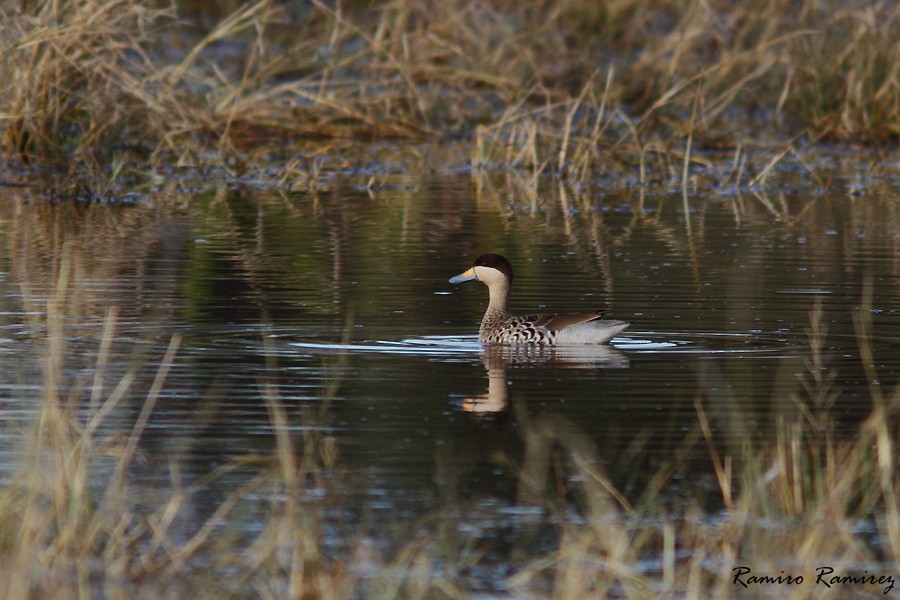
(504, 329)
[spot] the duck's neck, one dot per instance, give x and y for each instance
(499, 292)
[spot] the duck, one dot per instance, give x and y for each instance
(500, 327)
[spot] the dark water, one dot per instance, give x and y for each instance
(339, 300)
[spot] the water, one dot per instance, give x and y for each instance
(339, 300)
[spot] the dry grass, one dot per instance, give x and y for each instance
(76, 524)
(791, 507)
(106, 88)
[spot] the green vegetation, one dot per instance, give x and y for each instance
(105, 89)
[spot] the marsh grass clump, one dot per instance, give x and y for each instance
(106, 87)
(789, 506)
(75, 523)
(70, 88)
(849, 85)
(706, 77)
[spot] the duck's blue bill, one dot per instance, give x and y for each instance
(467, 276)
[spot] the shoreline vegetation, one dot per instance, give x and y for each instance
(109, 90)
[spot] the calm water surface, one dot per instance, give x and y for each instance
(340, 301)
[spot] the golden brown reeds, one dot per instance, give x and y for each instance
(571, 88)
(75, 524)
(792, 507)
(68, 72)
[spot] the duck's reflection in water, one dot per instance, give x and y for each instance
(495, 403)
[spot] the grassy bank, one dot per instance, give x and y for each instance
(108, 89)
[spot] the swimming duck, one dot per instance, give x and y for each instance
(500, 327)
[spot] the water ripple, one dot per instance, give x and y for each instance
(641, 342)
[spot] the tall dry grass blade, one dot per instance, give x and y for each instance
(561, 166)
(106, 339)
(764, 174)
(143, 419)
(98, 415)
(285, 449)
(685, 170)
(236, 22)
(722, 467)
(877, 424)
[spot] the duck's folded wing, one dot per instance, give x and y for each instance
(559, 322)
